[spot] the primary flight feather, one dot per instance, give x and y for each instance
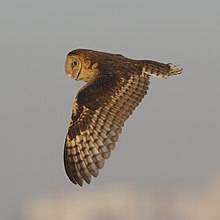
(115, 85)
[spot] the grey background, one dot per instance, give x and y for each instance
(172, 140)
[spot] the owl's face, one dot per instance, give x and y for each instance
(79, 67)
(73, 66)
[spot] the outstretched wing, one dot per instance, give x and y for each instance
(98, 115)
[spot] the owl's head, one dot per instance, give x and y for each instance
(80, 64)
(73, 66)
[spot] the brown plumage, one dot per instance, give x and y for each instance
(115, 86)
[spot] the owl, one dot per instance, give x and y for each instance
(115, 85)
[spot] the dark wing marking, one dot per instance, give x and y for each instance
(161, 70)
(99, 113)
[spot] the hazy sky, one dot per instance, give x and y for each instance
(173, 137)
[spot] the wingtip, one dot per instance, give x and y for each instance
(175, 69)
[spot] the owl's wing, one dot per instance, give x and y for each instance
(98, 115)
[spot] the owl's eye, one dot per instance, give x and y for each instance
(74, 63)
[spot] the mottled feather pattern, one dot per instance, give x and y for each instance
(115, 87)
(86, 153)
(161, 70)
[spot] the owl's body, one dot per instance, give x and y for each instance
(115, 86)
